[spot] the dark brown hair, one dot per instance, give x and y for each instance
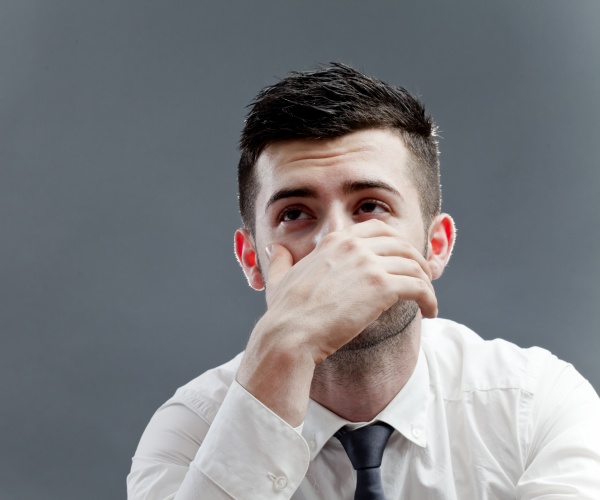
(330, 102)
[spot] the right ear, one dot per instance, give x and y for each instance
(245, 251)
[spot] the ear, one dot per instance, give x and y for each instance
(441, 241)
(245, 252)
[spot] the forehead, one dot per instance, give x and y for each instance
(366, 155)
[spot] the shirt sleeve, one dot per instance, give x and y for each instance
(563, 459)
(247, 452)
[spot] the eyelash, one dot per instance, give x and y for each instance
(287, 210)
(379, 203)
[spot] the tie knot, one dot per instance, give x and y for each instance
(364, 446)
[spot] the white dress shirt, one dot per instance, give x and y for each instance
(477, 420)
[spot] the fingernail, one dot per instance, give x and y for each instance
(269, 251)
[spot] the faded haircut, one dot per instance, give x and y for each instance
(330, 102)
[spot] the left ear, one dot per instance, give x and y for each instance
(440, 243)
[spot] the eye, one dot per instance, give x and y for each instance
(292, 214)
(372, 207)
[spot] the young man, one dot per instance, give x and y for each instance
(341, 205)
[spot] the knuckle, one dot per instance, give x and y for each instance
(348, 245)
(423, 285)
(414, 268)
(330, 239)
(422, 288)
(363, 260)
(407, 249)
(376, 279)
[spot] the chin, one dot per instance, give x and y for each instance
(391, 323)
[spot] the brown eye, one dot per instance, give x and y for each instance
(370, 207)
(293, 214)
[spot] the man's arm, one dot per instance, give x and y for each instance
(247, 451)
(317, 305)
(252, 450)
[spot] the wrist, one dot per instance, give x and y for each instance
(277, 369)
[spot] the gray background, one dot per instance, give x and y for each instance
(118, 131)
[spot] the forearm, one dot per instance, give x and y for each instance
(247, 452)
(277, 369)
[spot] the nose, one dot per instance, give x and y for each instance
(336, 219)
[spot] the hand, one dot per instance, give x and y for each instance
(344, 284)
(321, 302)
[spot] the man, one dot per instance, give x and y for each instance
(341, 204)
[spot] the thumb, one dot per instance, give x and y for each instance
(280, 262)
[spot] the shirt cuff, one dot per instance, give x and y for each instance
(250, 452)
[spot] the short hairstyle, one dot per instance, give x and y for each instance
(330, 102)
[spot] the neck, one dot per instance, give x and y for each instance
(359, 384)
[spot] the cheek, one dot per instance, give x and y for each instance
(298, 247)
(299, 241)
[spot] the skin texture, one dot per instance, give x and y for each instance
(347, 263)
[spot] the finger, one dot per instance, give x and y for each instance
(370, 229)
(404, 267)
(387, 246)
(383, 239)
(409, 288)
(280, 262)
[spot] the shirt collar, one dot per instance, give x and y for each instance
(407, 413)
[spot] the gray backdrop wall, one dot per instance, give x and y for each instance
(118, 129)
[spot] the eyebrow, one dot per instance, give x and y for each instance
(355, 186)
(300, 192)
(347, 188)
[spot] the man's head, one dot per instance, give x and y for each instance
(323, 154)
(329, 103)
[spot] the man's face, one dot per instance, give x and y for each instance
(309, 188)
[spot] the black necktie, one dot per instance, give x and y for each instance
(365, 447)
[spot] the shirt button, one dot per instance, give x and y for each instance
(417, 432)
(279, 483)
(312, 445)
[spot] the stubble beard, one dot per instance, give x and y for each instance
(367, 356)
(390, 323)
(393, 326)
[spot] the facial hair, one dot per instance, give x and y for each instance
(392, 328)
(390, 323)
(389, 336)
